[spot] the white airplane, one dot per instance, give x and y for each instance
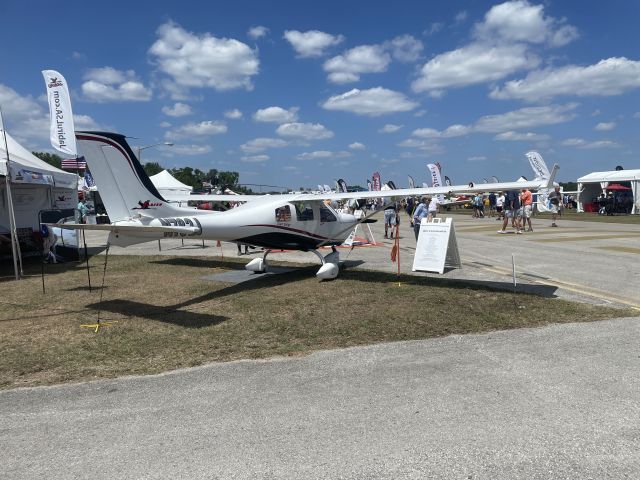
(291, 221)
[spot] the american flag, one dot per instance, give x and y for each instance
(74, 164)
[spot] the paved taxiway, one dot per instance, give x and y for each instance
(555, 402)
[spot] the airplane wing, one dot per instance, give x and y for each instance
(416, 192)
(130, 227)
(211, 198)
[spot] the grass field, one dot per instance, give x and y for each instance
(572, 215)
(169, 317)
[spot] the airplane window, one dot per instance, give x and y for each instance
(283, 214)
(304, 212)
(326, 215)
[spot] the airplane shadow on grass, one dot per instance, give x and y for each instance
(179, 314)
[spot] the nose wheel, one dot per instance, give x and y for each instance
(330, 264)
(258, 265)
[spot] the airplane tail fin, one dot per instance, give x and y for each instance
(124, 186)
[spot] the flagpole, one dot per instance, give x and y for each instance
(12, 218)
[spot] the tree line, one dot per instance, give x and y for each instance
(193, 177)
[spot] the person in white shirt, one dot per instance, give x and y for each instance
(500, 205)
(433, 208)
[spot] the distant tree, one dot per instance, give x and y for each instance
(152, 168)
(51, 158)
(228, 179)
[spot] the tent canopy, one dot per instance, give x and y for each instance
(165, 182)
(27, 168)
(591, 185)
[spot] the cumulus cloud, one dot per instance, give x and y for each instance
(190, 150)
(405, 48)
(372, 102)
(312, 43)
(612, 76)
(177, 110)
(605, 126)
(477, 158)
(203, 61)
(257, 32)
(234, 114)
(202, 129)
(276, 115)
(322, 154)
(471, 65)
(390, 128)
(255, 158)
(519, 21)
(107, 84)
(521, 137)
(524, 118)
(348, 66)
(584, 144)
(261, 144)
(357, 146)
(304, 131)
(452, 131)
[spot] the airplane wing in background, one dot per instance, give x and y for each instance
(130, 227)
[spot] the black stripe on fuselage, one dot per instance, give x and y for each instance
(285, 241)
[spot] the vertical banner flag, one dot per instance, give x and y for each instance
(368, 184)
(538, 165)
(495, 179)
(376, 182)
(436, 181)
(342, 186)
(447, 181)
(412, 182)
(63, 137)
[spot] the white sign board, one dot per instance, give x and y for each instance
(437, 246)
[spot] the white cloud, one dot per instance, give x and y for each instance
(312, 43)
(276, 115)
(519, 21)
(460, 17)
(357, 146)
(584, 144)
(427, 146)
(234, 114)
(255, 158)
(257, 32)
(178, 110)
(85, 122)
(525, 118)
(433, 28)
(165, 124)
(478, 158)
(362, 59)
(372, 102)
(322, 154)
(304, 131)
(612, 76)
(390, 128)
(636, 115)
(405, 48)
(605, 126)
(203, 61)
(189, 150)
(261, 144)
(452, 131)
(512, 136)
(202, 129)
(471, 65)
(107, 84)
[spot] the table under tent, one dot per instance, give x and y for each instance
(625, 185)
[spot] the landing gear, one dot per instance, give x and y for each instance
(330, 264)
(258, 265)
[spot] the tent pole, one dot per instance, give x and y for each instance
(15, 245)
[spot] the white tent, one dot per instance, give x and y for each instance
(592, 185)
(35, 186)
(168, 185)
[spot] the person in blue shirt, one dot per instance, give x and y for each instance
(511, 211)
(83, 210)
(421, 211)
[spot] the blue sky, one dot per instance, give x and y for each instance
(300, 93)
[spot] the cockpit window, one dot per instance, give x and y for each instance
(326, 215)
(283, 214)
(304, 212)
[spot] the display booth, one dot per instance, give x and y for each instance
(593, 185)
(35, 186)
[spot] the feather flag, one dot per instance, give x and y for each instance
(62, 133)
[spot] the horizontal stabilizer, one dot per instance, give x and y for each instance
(126, 228)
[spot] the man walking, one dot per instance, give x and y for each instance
(555, 198)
